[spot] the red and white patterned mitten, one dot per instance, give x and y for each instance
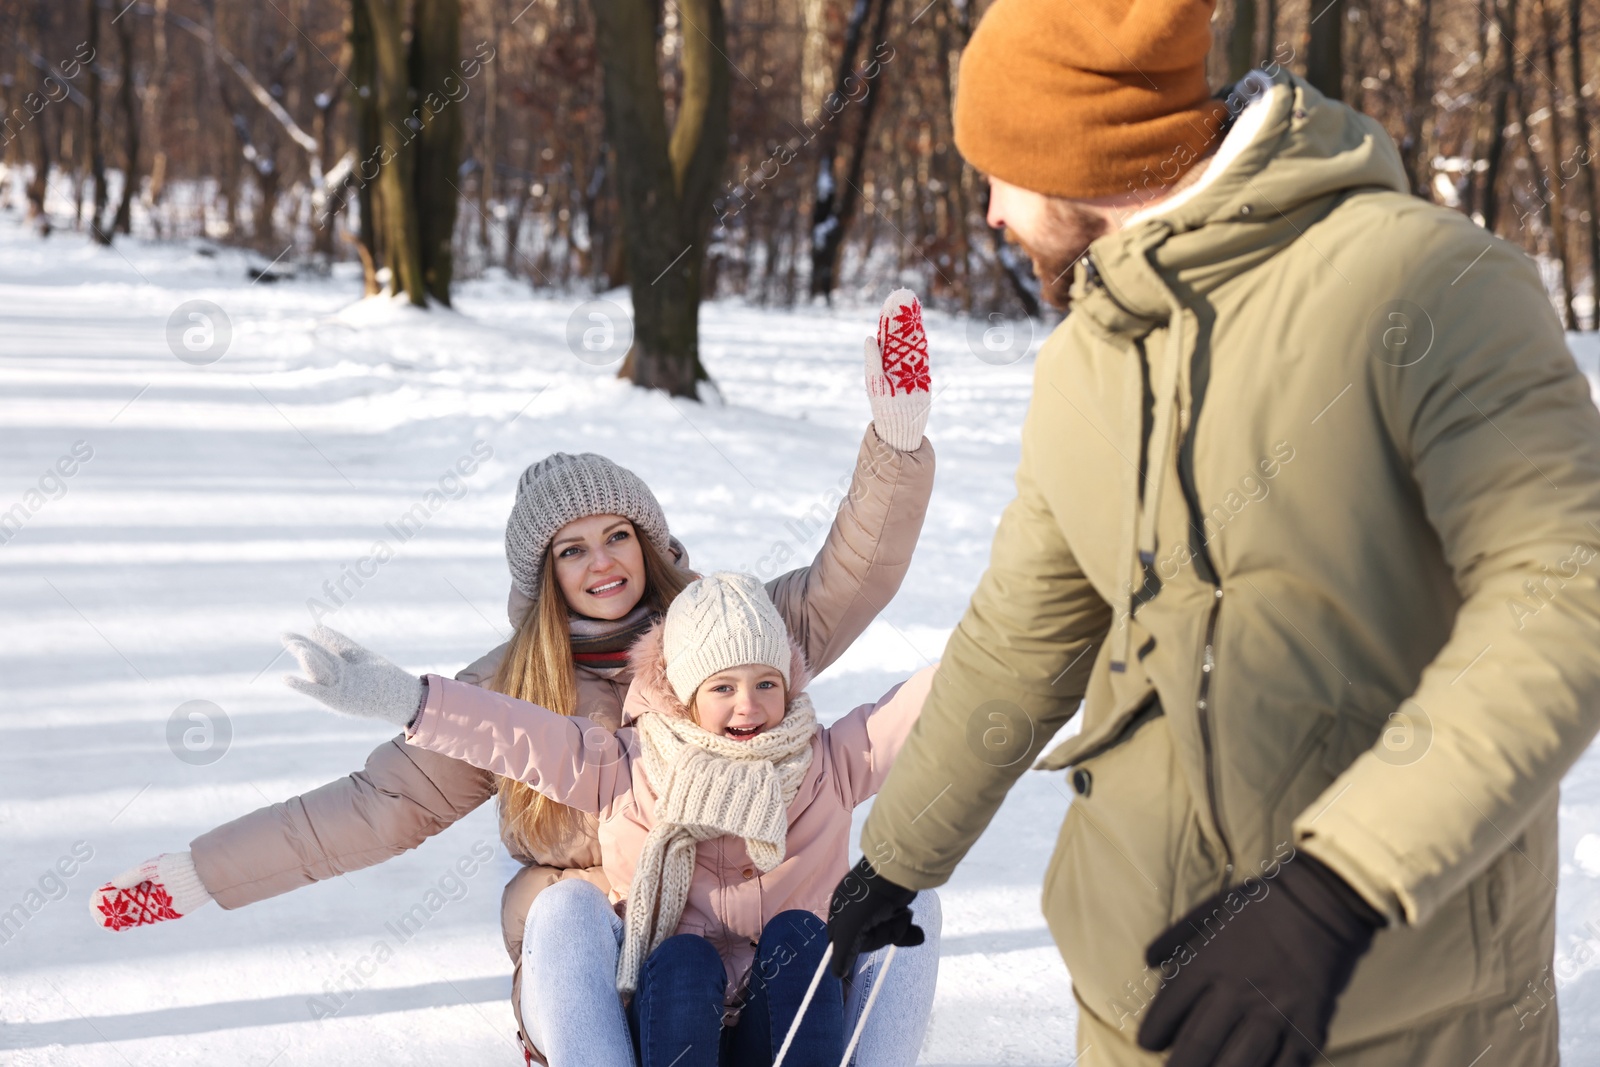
(897, 372)
(166, 887)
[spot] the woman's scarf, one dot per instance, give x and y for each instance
(708, 785)
(602, 644)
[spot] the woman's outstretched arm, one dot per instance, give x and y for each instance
(400, 798)
(403, 796)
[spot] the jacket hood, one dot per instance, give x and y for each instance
(1290, 156)
(651, 691)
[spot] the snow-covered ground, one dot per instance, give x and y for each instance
(217, 496)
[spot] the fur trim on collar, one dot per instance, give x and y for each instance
(650, 674)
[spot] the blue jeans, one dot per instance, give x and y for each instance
(677, 1011)
(570, 1006)
(574, 1016)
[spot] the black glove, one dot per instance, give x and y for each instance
(869, 912)
(1255, 985)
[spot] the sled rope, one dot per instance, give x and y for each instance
(805, 1002)
(866, 1009)
(811, 991)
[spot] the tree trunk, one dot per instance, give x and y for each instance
(123, 223)
(325, 214)
(834, 206)
(1553, 181)
(263, 227)
(1585, 154)
(1499, 113)
(1325, 52)
(38, 186)
(153, 100)
(951, 23)
(1242, 39)
(408, 128)
(435, 50)
(39, 183)
(665, 187)
(91, 133)
(364, 106)
(814, 66)
(825, 203)
(1412, 155)
(1467, 184)
(401, 230)
(490, 149)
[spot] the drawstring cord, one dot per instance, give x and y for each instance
(1141, 512)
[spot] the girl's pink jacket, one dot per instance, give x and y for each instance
(578, 764)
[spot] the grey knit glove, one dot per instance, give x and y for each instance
(351, 680)
(898, 382)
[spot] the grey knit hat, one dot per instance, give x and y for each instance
(561, 488)
(722, 620)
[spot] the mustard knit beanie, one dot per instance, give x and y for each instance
(561, 488)
(1087, 98)
(722, 620)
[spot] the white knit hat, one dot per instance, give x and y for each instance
(723, 620)
(561, 488)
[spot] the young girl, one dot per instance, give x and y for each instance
(724, 814)
(592, 563)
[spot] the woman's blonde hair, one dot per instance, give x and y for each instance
(538, 667)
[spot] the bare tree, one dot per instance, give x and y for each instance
(435, 51)
(129, 118)
(666, 186)
(91, 133)
(1412, 155)
(1325, 51)
(598, 144)
(409, 137)
(1554, 186)
(394, 157)
(833, 207)
(1242, 39)
(155, 93)
(39, 184)
(1583, 153)
(1502, 88)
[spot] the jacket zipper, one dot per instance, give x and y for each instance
(1208, 571)
(1202, 707)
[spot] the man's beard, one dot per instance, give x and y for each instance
(1070, 231)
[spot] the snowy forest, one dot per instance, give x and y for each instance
(783, 151)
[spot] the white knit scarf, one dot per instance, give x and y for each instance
(708, 785)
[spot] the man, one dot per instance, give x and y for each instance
(1308, 519)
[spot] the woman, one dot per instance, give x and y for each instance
(568, 654)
